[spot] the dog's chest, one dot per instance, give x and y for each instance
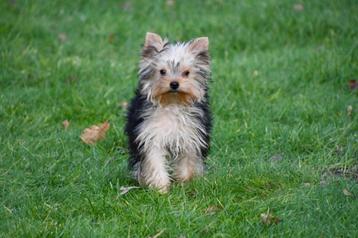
(174, 128)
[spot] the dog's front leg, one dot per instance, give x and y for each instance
(153, 170)
(187, 166)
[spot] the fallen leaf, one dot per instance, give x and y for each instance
(212, 209)
(349, 110)
(124, 105)
(66, 124)
(170, 3)
(123, 190)
(269, 219)
(111, 38)
(353, 84)
(298, 7)
(62, 37)
(347, 193)
(95, 133)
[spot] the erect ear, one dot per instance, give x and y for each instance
(153, 40)
(200, 44)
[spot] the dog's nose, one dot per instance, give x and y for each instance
(174, 85)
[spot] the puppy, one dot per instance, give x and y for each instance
(169, 120)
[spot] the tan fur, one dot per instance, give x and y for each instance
(188, 92)
(188, 166)
(153, 170)
(174, 98)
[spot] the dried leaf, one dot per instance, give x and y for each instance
(349, 110)
(66, 124)
(95, 133)
(347, 192)
(212, 209)
(298, 7)
(124, 105)
(62, 37)
(123, 190)
(269, 219)
(353, 84)
(170, 3)
(111, 38)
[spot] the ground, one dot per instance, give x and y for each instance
(283, 142)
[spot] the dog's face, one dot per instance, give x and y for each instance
(174, 73)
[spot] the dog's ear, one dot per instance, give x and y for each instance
(153, 40)
(199, 44)
(152, 45)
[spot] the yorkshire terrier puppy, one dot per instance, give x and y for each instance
(169, 120)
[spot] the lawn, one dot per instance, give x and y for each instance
(285, 137)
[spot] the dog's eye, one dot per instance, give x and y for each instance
(162, 72)
(186, 73)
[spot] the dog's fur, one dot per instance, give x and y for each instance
(169, 130)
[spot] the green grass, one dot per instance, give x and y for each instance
(280, 87)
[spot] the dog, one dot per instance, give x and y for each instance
(169, 120)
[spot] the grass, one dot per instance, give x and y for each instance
(280, 87)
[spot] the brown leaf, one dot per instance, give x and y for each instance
(269, 219)
(123, 190)
(353, 84)
(65, 124)
(111, 38)
(298, 7)
(123, 105)
(213, 209)
(347, 192)
(170, 3)
(62, 37)
(95, 133)
(349, 110)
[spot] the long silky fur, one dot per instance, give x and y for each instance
(174, 129)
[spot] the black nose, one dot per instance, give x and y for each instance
(174, 85)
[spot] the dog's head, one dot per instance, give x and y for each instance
(174, 73)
